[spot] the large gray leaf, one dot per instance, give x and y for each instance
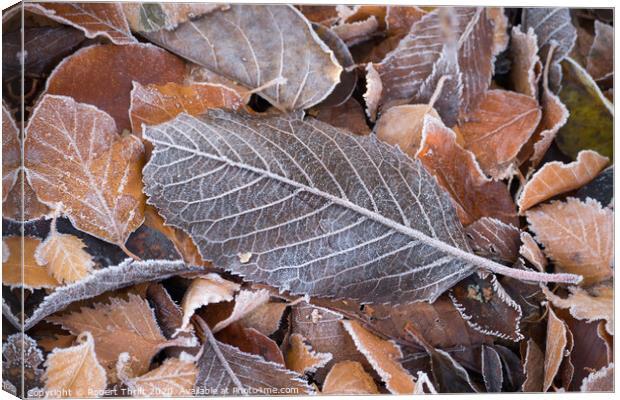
(552, 26)
(308, 207)
(256, 45)
(226, 370)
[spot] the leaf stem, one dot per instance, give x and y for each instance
(129, 253)
(535, 276)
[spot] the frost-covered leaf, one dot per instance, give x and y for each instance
(600, 188)
(245, 303)
(265, 318)
(204, 290)
(65, 257)
(577, 236)
(26, 201)
(555, 178)
(491, 238)
(22, 362)
(473, 194)
(94, 19)
(75, 371)
(531, 252)
(174, 377)
(102, 75)
(269, 48)
(403, 125)
(153, 104)
(600, 61)
(370, 216)
(148, 17)
(556, 343)
(33, 275)
(384, 356)
(127, 273)
(251, 341)
(349, 378)
(226, 369)
(349, 116)
(11, 153)
(533, 367)
(497, 128)
(75, 158)
(301, 358)
(399, 19)
(552, 27)
(491, 369)
(526, 67)
(121, 326)
(599, 381)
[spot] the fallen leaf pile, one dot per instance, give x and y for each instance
(229, 199)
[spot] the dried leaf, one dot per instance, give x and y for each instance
(11, 152)
(491, 238)
(555, 178)
(175, 377)
(383, 232)
(552, 27)
(153, 104)
(600, 188)
(526, 66)
(491, 369)
(97, 19)
(302, 359)
(76, 159)
(324, 15)
(554, 351)
(121, 326)
(600, 61)
(473, 194)
(251, 341)
(384, 356)
(239, 43)
(25, 201)
(533, 367)
(402, 125)
(496, 130)
(75, 371)
(33, 275)
(265, 318)
(245, 303)
(349, 115)
(349, 378)
(210, 288)
(599, 381)
(590, 124)
(65, 257)
(399, 19)
(148, 17)
(585, 248)
(592, 304)
(102, 75)
(21, 362)
(224, 369)
(531, 252)
(357, 31)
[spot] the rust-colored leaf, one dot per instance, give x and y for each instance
(34, 276)
(399, 19)
(556, 343)
(533, 367)
(577, 236)
(349, 115)
(94, 19)
(496, 130)
(349, 378)
(555, 178)
(65, 257)
(301, 358)
(245, 303)
(526, 67)
(531, 252)
(26, 201)
(384, 356)
(491, 238)
(75, 371)
(265, 318)
(153, 104)
(473, 194)
(402, 125)
(102, 75)
(75, 159)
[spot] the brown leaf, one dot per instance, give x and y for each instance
(556, 343)
(76, 159)
(384, 356)
(65, 257)
(599, 381)
(94, 19)
(27, 202)
(21, 362)
(245, 303)
(491, 238)
(175, 377)
(117, 327)
(496, 130)
(349, 378)
(593, 304)
(600, 61)
(473, 194)
(402, 125)
(102, 75)
(349, 115)
(147, 17)
(265, 318)
(533, 367)
(531, 252)
(11, 152)
(34, 275)
(208, 289)
(526, 67)
(399, 19)
(555, 178)
(358, 31)
(585, 248)
(491, 369)
(75, 371)
(153, 104)
(325, 15)
(251, 341)
(301, 358)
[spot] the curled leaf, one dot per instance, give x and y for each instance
(205, 290)
(301, 358)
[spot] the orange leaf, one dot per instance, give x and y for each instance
(301, 358)
(530, 251)
(554, 351)
(76, 159)
(102, 75)
(34, 275)
(349, 377)
(65, 257)
(402, 125)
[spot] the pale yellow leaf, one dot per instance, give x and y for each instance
(65, 257)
